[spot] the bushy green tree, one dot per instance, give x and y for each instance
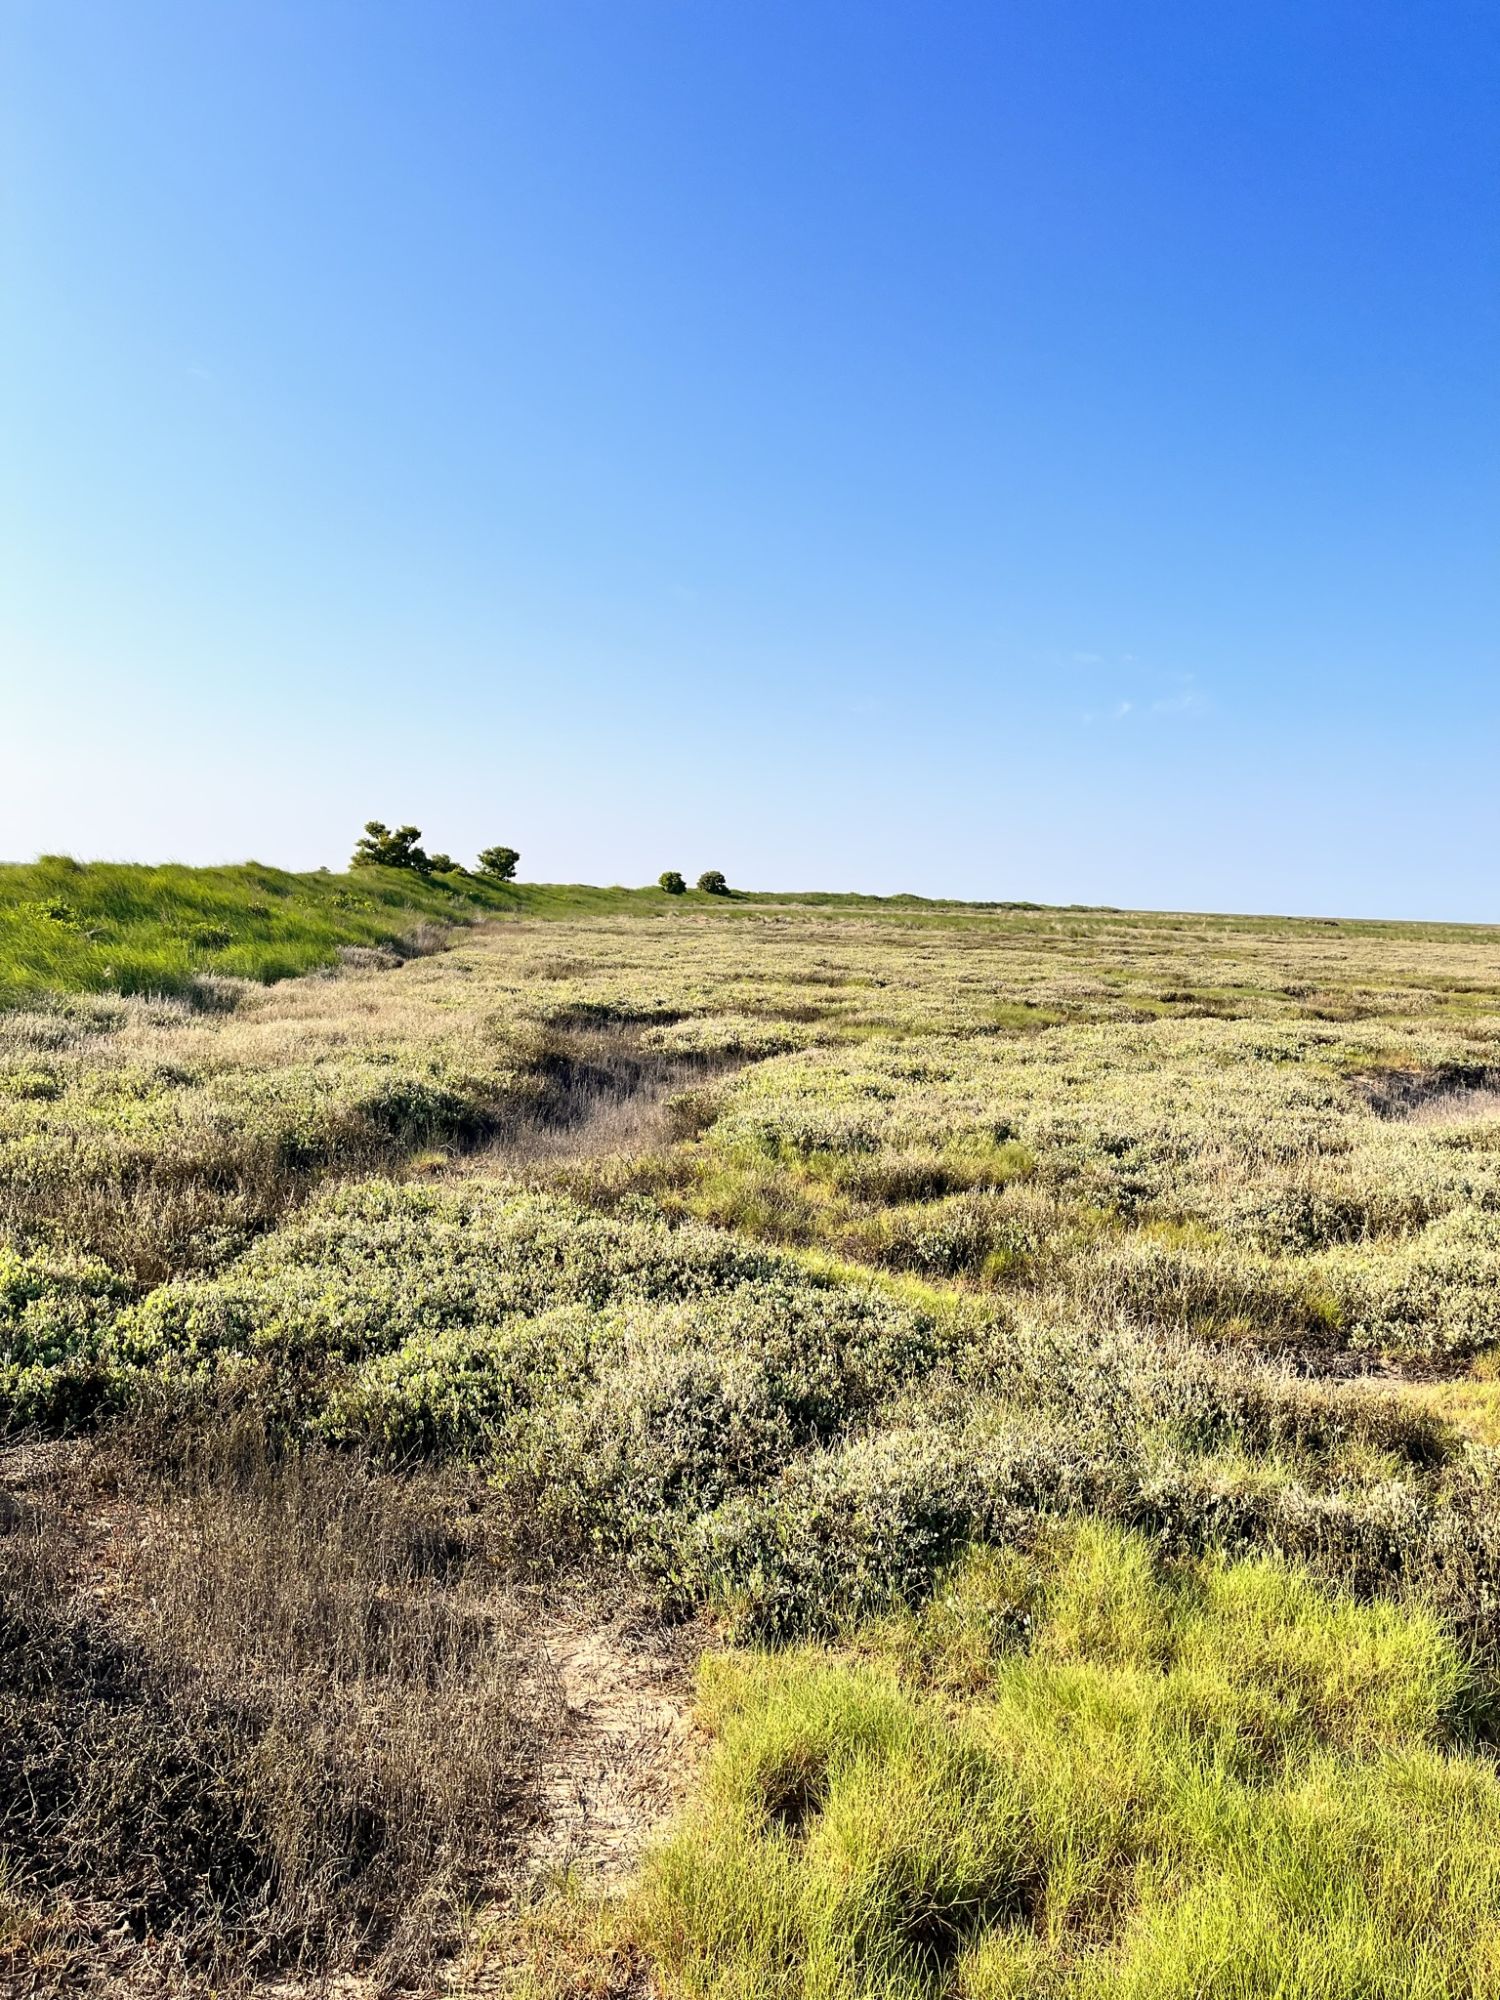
(378, 847)
(712, 882)
(672, 882)
(444, 864)
(499, 863)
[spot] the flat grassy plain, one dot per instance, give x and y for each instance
(1030, 1373)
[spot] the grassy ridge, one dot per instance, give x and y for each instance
(130, 927)
(70, 927)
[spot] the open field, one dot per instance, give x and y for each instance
(775, 1447)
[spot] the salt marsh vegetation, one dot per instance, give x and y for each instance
(1045, 1359)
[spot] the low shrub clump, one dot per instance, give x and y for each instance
(55, 1318)
(622, 1376)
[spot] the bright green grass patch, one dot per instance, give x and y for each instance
(1079, 1775)
(1471, 1407)
(72, 927)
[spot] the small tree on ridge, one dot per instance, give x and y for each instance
(499, 863)
(672, 882)
(712, 882)
(378, 847)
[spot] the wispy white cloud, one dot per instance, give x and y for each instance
(1186, 698)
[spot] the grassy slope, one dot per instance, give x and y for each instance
(125, 927)
(130, 927)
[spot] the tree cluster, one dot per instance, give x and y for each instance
(379, 847)
(711, 882)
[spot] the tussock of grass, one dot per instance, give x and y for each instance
(1471, 1407)
(1078, 1775)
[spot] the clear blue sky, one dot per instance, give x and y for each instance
(1039, 448)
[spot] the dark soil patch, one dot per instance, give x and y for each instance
(602, 1091)
(1451, 1095)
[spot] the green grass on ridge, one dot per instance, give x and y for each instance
(127, 927)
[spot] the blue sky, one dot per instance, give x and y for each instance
(1046, 449)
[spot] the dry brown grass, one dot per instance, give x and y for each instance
(601, 1092)
(283, 1716)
